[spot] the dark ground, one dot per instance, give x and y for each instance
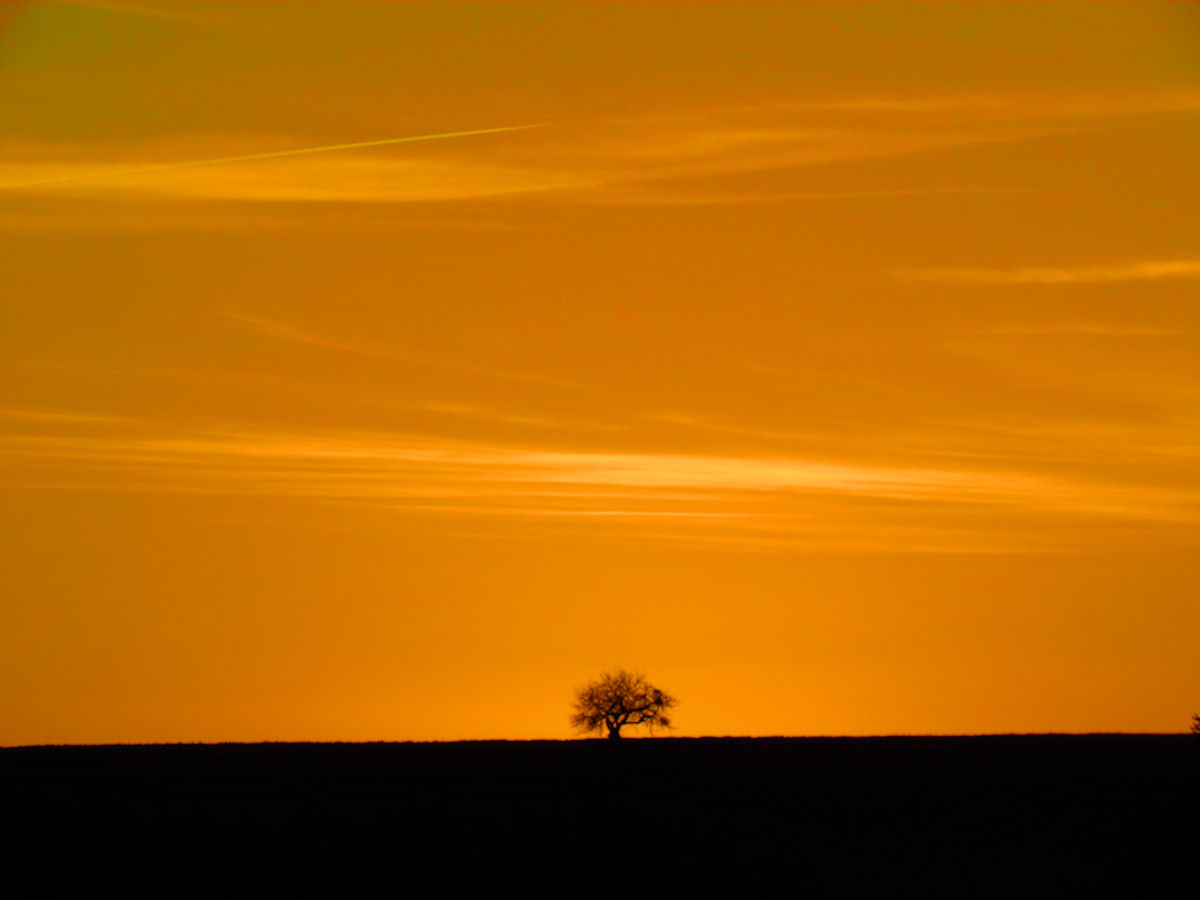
(1064, 816)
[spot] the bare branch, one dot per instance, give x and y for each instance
(618, 699)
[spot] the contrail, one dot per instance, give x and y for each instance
(278, 153)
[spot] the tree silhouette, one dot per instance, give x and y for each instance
(1196, 723)
(618, 699)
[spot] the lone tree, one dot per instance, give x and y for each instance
(1196, 724)
(618, 699)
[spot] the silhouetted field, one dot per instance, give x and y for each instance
(962, 817)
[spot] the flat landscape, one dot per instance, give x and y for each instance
(953, 816)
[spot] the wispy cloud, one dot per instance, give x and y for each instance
(57, 417)
(657, 195)
(325, 463)
(1086, 329)
(772, 498)
(1057, 104)
(601, 166)
(631, 161)
(125, 176)
(1106, 274)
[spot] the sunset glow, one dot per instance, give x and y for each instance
(387, 371)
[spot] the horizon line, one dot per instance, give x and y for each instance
(580, 740)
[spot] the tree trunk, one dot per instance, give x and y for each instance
(614, 734)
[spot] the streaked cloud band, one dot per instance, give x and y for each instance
(745, 499)
(254, 157)
(1110, 274)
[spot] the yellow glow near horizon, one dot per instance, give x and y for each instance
(833, 363)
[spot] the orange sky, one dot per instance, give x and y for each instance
(833, 363)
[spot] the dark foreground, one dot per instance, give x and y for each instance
(955, 817)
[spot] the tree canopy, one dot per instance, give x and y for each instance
(618, 699)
